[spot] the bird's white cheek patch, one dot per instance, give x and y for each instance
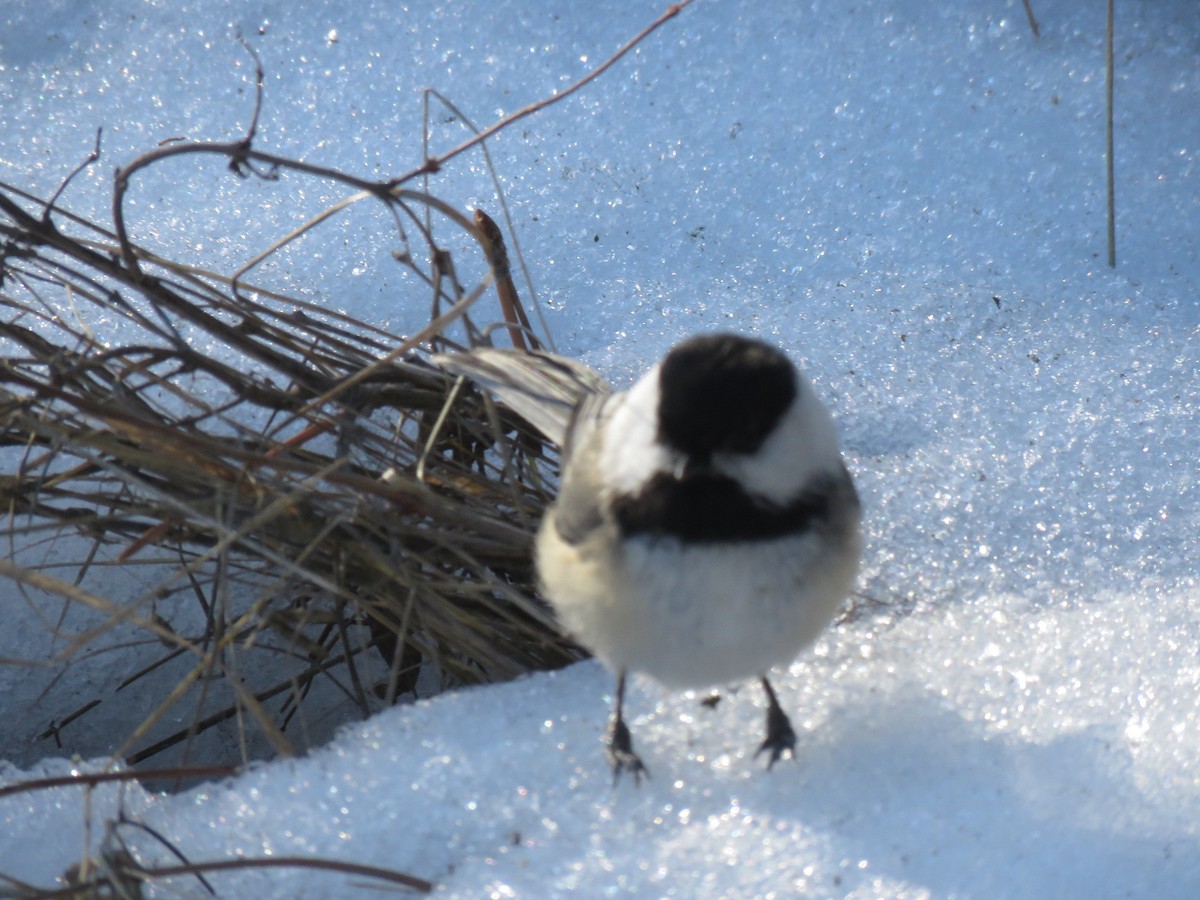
(804, 446)
(630, 454)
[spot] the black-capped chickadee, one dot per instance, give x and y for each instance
(706, 528)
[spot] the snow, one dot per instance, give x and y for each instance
(907, 196)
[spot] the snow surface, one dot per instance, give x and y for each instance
(908, 196)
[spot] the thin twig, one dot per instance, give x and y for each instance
(259, 77)
(500, 196)
(510, 303)
(1033, 24)
(91, 158)
(435, 163)
(292, 862)
(91, 779)
(1108, 141)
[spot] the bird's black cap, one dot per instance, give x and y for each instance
(722, 393)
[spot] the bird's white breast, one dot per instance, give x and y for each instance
(696, 615)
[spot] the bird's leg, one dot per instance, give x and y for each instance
(620, 743)
(780, 736)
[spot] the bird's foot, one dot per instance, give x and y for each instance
(781, 737)
(621, 755)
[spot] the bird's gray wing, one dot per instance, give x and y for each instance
(545, 389)
(578, 509)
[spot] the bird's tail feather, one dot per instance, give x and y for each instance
(541, 387)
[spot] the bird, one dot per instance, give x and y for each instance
(706, 528)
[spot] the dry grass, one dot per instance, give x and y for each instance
(305, 489)
(304, 500)
(221, 501)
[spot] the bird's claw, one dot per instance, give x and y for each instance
(621, 755)
(781, 738)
